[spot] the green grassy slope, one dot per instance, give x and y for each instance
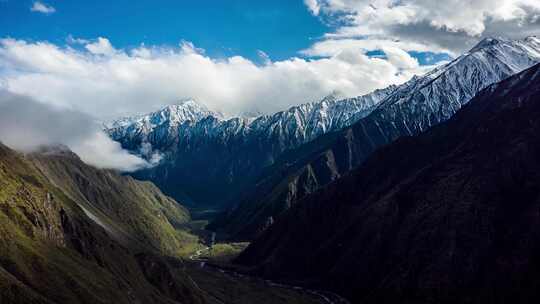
(51, 251)
(126, 207)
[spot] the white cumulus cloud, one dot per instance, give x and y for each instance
(105, 82)
(41, 7)
(102, 46)
(313, 6)
(452, 25)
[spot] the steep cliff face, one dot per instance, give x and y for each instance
(57, 244)
(122, 205)
(449, 216)
(273, 196)
(410, 109)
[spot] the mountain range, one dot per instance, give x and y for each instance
(449, 216)
(200, 150)
(258, 167)
(409, 109)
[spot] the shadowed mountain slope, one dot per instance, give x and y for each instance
(450, 216)
(410, 109)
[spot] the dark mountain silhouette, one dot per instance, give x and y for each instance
(449, 216)
(410, 109)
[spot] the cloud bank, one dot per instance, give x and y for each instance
(27, 125)
(70, 87)
(450, 26)
(97, 79)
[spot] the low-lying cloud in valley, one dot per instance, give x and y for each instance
(27, 125)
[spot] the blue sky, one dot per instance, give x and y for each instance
(223, 28)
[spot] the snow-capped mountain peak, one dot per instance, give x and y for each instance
(489, 41)
(333, 97)
(185, 111)
(294, 126)
(491, 60)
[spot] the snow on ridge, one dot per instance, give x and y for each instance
(442, 91)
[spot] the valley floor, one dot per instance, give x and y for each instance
(220, 287)
(210, 270)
